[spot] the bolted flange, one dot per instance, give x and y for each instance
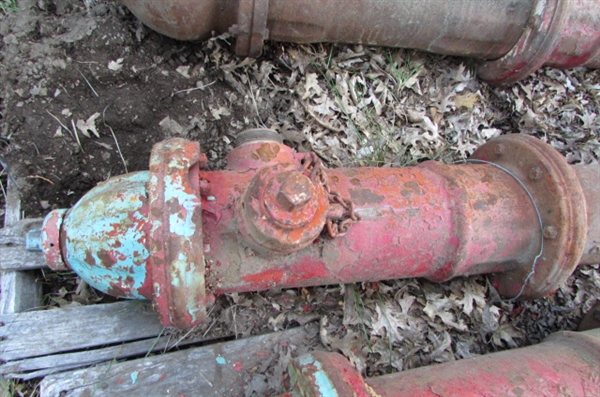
(556, 191)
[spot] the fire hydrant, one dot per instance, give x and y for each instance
(513, 38)
(565, 364)
(180, 235)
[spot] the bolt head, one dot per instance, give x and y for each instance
(550, 232)
(295, 191)
(535, 173)
(499, 149)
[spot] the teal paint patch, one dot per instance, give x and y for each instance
(321, 379)
(105, 243)
(134, 377)
(221, 361)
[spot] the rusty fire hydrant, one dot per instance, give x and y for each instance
(513, 38)
(180, 235)
(565, 364)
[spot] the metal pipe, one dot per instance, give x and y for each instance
(566, 364)
(516, 37)
(179, 234)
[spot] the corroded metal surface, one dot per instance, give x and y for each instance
(180, 235)
(565, 364)
(176, 260)
(559, 196)
(589, 179)
(282, 210)
(103, 237)
(50, 236)
(516, 37)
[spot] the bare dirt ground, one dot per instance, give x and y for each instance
(86, 90)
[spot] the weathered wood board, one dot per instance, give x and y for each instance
(18, 258)
(222, 369)
(14, 256)
(37, 343)
(18, 289)
(36, 367)
(44, 332)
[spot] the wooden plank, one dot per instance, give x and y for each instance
(222, 369)
(40, 333)
(13, 203)
(19, 290)
(18, 258)
(45, 365)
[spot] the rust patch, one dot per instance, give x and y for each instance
(480, 205)
(349, 172)
(365, 196)
(355, 181)
(267, 152)
(411, 188)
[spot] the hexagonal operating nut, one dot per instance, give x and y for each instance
(295, 191)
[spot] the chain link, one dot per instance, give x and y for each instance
(335, 227)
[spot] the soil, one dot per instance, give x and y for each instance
(55, 62)
(91, 64)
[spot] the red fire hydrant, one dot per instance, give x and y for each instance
(180, 235)
(565, 364)
(512, 38)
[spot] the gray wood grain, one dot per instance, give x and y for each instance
(222, 369)
(18, 258)
(44, 332)
(41, 366)
(19, 291)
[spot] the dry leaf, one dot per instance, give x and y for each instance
(89, 126)
(466, 101)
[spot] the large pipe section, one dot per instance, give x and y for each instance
(514, 37)
(180, 235)
(564, 364)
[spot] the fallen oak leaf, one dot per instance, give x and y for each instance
(89, 126)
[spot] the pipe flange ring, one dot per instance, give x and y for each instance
(534, 48)
(251, 28)
(175, 233)
(559, 197)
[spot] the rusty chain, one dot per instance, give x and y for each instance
(335, 227)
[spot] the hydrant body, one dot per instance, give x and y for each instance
(565, 364)
(514, 38)
(180, 235)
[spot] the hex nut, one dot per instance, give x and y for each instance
(535, 173)
(295, 191)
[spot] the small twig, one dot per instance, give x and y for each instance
(2, 186)
(183, 337)
(195, 88)
(155, 342)
(60, 122)
(319, 121)
(76, 135)
(253, 99)
(205, 378)
(115, 138)
(39, 177)
(88, 83)
(209, 328)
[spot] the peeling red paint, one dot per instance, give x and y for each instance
(264, 225)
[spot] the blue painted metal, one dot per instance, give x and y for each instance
(105, 239)
(323, 385)
(33, 240)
